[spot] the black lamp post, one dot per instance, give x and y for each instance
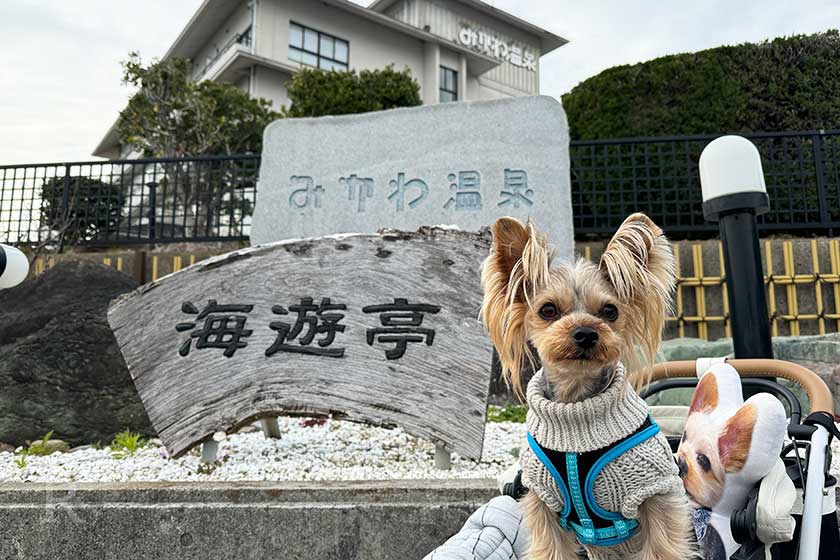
(14, 266)
(734, 193)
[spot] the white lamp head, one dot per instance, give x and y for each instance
(731, 177)
(14, 267)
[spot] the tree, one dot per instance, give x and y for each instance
(789, 83)
(172, 116)
(315, 93)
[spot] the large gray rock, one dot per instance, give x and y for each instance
(61, 369)
(459, 163)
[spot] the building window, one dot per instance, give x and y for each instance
(317, 49)
(448, 84)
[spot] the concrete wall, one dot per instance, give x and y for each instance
(238, 22)
(371, 45)
(397, 520)
(271, 84)
(444, 19)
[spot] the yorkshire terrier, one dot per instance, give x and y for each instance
(599, 474)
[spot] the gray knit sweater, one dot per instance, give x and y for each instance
(643, 471)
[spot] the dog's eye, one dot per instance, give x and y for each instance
(704, 462)
(549, 312)
(609, 312)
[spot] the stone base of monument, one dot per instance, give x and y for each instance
(169, 521)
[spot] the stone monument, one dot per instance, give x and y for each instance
(462, 164)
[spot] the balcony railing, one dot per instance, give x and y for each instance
(240, 41)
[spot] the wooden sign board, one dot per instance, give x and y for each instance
(376, 328)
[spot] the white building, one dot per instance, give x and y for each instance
(456, 49)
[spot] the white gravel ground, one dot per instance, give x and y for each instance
(335, 450)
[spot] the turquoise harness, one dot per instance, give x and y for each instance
(592, 524)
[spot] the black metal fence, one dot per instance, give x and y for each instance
(660, 176)
(212, 198)
(128, 201)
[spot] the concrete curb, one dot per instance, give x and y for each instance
(235, 521)
(401, 520)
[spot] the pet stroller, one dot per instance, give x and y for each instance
(800, 488)
(806, 457)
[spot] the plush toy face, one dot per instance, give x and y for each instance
(707, 452)
(727, 447)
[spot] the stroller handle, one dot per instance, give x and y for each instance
(819, 396)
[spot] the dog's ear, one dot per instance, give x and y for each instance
(735, 438)
(639, 264)
(517, 266)
(705, 397)
(510, 236)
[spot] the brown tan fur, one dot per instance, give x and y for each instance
(635, 277)
(665, 528)
(706, 395)
(736, 438)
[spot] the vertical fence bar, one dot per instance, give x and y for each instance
(65, 207)
(819, 169)
(727, 330)
(679, 298)
(793, 306)
(771, 287)
(815, 260)
(834, 256)
(700, 292)
(176, 263)
(152, 210)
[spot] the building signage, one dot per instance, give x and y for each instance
(381, 329)
(493, 45)
(461, 164)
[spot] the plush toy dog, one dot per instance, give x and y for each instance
(727, 447)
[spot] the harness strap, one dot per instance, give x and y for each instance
(607, 536)
(610, 455)
(622, 528)
(552, 470)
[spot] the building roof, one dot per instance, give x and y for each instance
(548, 40)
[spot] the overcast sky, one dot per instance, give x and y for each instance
(60, 84)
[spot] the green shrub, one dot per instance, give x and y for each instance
(88, 209)
(509, 413)
(788, 83)
(45, 446)
(316, 93)
(126, 444)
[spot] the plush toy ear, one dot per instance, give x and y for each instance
(639, 264)
(706, 395)
(735, 438)
(518, 264)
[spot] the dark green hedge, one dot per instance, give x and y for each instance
(315, 93)
(789, 83)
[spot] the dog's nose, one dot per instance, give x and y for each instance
(682, 466)
(585, 337)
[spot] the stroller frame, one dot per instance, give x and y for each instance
(817, 427)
